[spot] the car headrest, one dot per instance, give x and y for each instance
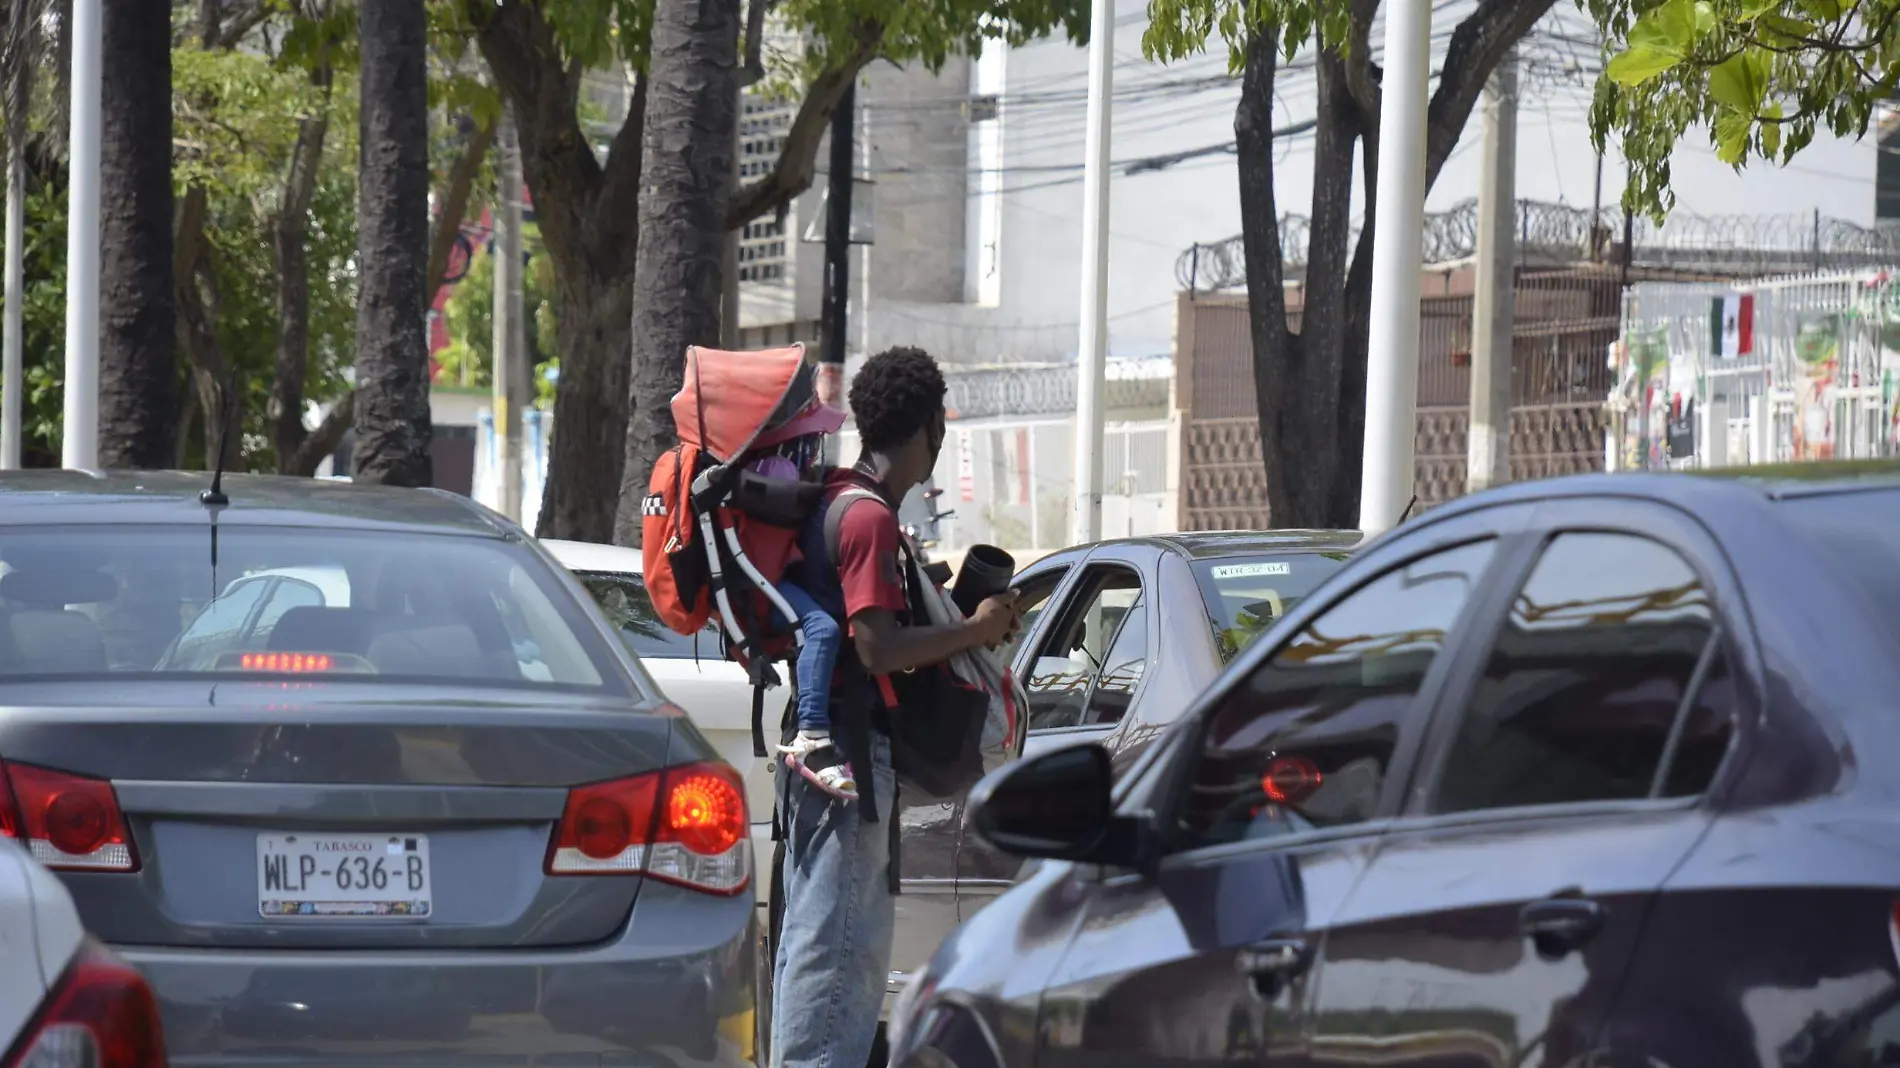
(54, 588)
(315, 629)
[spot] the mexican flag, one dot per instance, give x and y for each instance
(1732, 325)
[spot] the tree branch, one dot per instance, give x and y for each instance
(455, 198)
(290, 236)
(753, 59)
(1362, 77)
(324, 440)
(543, 88)
(1476, 47)
(617, 217)
(237, 26)
(798, 157)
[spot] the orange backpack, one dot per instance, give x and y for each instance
(716, 537)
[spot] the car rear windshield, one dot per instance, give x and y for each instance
(1247, 594)
(624, 598)
(165, 600)
(1858, 533)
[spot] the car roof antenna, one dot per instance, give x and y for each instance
(1407, 514)
(227, 400)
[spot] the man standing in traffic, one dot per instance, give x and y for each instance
(834, 944)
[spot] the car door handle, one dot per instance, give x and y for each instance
(1274, 962)
(1562, 924)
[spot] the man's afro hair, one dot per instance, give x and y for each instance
(895, 394)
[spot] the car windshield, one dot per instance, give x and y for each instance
(1247, 594)
(165, 600)
(624, 598)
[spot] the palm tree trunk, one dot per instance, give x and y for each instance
(392, 244)
(685, 182)
(138, 354)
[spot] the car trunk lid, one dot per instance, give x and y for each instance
(236, 794)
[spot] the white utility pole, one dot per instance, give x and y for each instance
(510, 334)
(1091, 360)
(1392, 360)
(80, 433)
(12, 377)
(1494, 306)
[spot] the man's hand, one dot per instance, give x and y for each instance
(996, 619)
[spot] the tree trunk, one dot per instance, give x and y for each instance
(588, 214)
(1276, 350)
(1297, 377)
(392, 243)
(290, 237)
(138, 356)
(685, 183)
(1311, 386)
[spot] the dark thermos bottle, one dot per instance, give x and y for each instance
(986, 572)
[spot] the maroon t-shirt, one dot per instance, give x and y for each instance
(870, 571)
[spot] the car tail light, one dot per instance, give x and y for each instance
(101, 1015)
(68, 822)
(684, 825)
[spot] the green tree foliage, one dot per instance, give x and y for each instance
(237, 120)
(1760, 76)
(469, 357)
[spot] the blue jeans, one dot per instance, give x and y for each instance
(816, 658)
(834, 952)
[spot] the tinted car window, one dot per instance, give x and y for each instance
(81, 601)
(1587, 679)
(1306, 740)
(624, 598)
(1246, 594)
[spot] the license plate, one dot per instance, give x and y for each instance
(343, 875)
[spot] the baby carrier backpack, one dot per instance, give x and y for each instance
(717, 537)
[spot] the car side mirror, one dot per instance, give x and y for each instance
(1058, 806)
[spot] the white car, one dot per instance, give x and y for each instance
(693, 672)
(64, 1000)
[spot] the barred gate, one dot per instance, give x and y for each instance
(1810, 372)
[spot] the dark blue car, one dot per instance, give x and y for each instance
(1590, 772)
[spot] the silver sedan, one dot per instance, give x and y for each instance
(358, 775)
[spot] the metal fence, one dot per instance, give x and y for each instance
(1787, 369)
(1010, 481)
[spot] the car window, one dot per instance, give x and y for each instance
(1247, 594)
(1034, 598)
(1072, 656)
(1305, 741)
(289, 593)
(1122, 667)
(219, 626)
(1593, 672)
(410, 606)
(623, 596)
